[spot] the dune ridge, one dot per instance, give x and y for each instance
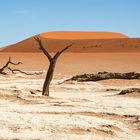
(84, 42)
(82, 35)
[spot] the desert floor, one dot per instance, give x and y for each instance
(90, 110)
(77, 63)
(74, 110)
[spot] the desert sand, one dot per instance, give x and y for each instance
(77, 63)
(74, 110)
(83, 42)
(82, 35)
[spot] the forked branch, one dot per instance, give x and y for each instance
(7, 64)
(60, 52)
(41, 47)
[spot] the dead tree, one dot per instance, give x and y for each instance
(52, 63)
(7, 66)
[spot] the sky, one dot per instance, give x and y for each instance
(20, 19)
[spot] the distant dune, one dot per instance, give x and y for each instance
(82, 35)
(84, 42)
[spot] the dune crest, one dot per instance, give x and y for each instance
(84, 42)
(82, 35)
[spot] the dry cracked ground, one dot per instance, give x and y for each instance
(74, 110)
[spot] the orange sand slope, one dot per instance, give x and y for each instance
(82, 35)
(76, 63)
(84, 42)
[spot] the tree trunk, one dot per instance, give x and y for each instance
(48, 79)
(52, 61)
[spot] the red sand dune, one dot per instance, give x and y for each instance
(84, 42)
(82, 35)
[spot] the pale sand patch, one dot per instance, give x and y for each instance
(73, 111)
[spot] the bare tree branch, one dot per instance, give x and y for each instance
(41, 47)
(7, 64)
(17, 70)
(10, 62)
(60, 52)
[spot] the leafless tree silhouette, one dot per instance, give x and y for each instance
(52, 63)
(8, 67)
